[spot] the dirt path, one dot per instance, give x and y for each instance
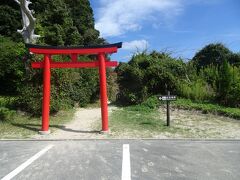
(83, 126)
(86, 124)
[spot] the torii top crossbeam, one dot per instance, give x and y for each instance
(39, 49)
(74, 51)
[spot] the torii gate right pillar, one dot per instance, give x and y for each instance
(103, 91)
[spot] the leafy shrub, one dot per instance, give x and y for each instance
(5, 101)
(12, 70)
(146, 75)
(68, 87)
(112, 86)
(224, 82)
(210, 75)
(6, 114)
(147, 106)
(233, 97)
(85, 88)
(30, 99)
(197, 90)
(151, 103)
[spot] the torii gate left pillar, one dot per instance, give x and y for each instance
(47, 64)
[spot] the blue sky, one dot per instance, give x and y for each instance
(181, 27)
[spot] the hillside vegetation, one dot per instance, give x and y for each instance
(211, 76)
(60, 23)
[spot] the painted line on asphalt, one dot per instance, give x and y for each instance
(126, 167)
(27, 163)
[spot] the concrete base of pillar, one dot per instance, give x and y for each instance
(105, 132)
(44, 132)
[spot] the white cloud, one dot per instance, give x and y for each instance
(116, 17)
(139, 45)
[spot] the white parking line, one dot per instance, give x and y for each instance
(126, 167)
(26, 164)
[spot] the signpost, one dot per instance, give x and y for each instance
(168, 98)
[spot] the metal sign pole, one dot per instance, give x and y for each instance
(168, 111)
(168, 98)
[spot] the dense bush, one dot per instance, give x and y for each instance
(197, 90)
(6, 114)
(150, 104)
(219, 68)
(148, 74)
(212, 54)
(10, 20)
(112, 85)
(68, 88)
(12, 70)
(224, 82)
(213, 79)
(6, 103)
(233, 97)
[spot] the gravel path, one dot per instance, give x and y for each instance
(86, 124)
(83, 126)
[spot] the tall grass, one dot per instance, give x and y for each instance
(197, 90)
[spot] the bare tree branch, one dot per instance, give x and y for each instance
(28, 22)
(17, 1)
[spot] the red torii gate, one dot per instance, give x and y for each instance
(47, 64)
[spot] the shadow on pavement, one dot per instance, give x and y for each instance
(37, 127)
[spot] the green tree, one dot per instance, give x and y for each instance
(10, 19)
(234, 59)
(146, 75)
(224, 82)
(82, 14)
(212, 54)
(59, 22)
(12, 70)
(234, 93)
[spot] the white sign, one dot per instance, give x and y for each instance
(168, 98)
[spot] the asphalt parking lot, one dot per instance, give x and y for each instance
(120, 159)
